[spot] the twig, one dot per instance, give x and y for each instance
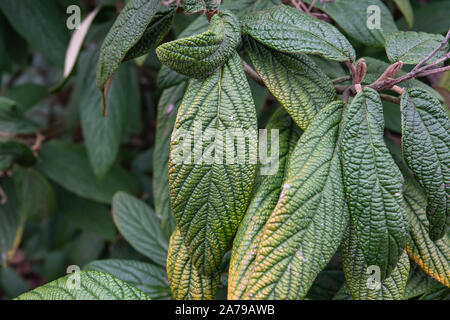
(311, 6)
(341, 79)
(421, 63)
(3, 196)
(390, 98)
(252, 73)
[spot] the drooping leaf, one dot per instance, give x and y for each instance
(300, 86)
(67, 165)
(150, 279)
(367, 21)
(186, 282)
(200, 55)
(412, 47)
(432, 256)
(13, 120)
(209, 192)
(127, 30)
(267, 191)
(362, 282)
(407, 11)
(41, 25)
(373, 184)
(426, 149)
(93, 285)
(167, 112)
(289, 30)
(139, 225)
(308, 222)
(15, 152)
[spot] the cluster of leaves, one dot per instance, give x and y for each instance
(363, 175)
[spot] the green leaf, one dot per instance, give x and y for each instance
(186, 282)
(200, 55)
(127, 30)
(26, 95)
(35, 194)
(264, 200)
(103, 135)
(40, 24)
(139, 225)
(407, 11)
(148, 278)
(88, 215)
(308, 222)
(167, 112)
(294, 79)
(67, 165)
(358, 21)
(289, 30)
(426, 149)
(15, 152)
(418, 283)
(359, 277)
(244, 7)
(431, 17)
(94, 285)
(158, 28)
(194, 6)
(209, 195)
(13, 120)
(412, 47)
(373, 184)
(432, 256)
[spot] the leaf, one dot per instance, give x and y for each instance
(431, 17)
(140, 227)
(358, 19)
(418, 283)
(127, 30)
(35, 194)
(432, 256)
(307, 224)
(155, 33)
(329, 281)
(67, 165)
(40, 24)
(186, 282)
(373, 184)
(103, 135)
(412, 47)
(26, 95)
(12, 152)
(289, 30)
(295, 80)
(265, 197)
(426, 149)
(194, 6)
(94, 285)
(88, 215)
(243, 7)
(358, 276)
(13, 120)
(406, 9)
(200, 55)
(209, 197)
(167, 112)
(148, 278)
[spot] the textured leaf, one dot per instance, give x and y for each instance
(289, 30)
(15, 152)
(355, 17)
(139, 225)
(432, 257)
(200, 55)
(40, 24)
(159, 27)
(406, 9)
(94, 285)
(300, 86)
(264, 200)
(418, 283)
(373, 184)
(148, 278)
(127, 30)
(167, 112)
(209, 199)
(308, 222)
(357, 274)
(13, 120)
(103, 135)
(412, 47)
(426, 149)
(194, 6)
(185, 281)
(67, 165)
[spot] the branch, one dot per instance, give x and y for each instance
(421, 63)
(252, 73)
